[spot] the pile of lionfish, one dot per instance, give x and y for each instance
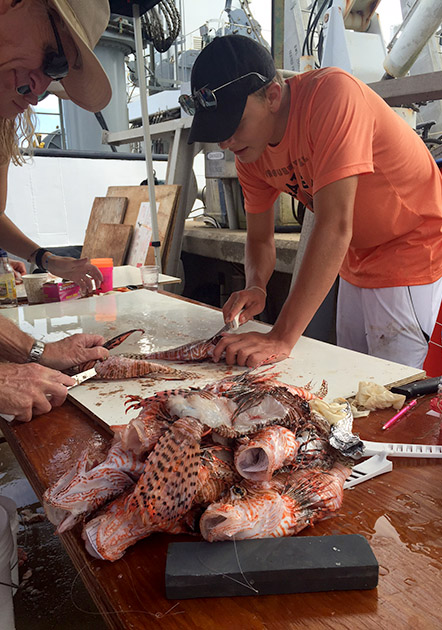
(245, 457)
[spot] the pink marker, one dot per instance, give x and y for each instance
(399, 414)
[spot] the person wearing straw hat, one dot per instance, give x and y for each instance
(44, 45)
(328, 140)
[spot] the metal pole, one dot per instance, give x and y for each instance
(146, 132)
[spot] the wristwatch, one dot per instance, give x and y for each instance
(37, 350)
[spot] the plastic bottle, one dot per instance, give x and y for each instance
(8, 292)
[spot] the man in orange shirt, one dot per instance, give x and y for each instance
(376, 192)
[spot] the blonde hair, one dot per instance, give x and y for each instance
(16, 137)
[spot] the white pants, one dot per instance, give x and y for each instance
(388, 323)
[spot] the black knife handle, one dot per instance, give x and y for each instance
(418, 388)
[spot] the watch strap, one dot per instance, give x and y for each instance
(36, 352)
(39, 257)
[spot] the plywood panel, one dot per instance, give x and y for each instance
(166, 196)
(112, 241)
(104, 210)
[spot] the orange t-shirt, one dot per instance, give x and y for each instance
(339, 127)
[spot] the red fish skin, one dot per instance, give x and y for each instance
(254, 515)
(119, 367)
(195, 351)
(215, 477)
(116, 529)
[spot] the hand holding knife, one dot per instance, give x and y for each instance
(78, 378)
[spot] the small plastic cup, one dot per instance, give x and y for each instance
(149, 277)
(34, 287)
(106, 266)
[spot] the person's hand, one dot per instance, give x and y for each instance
(19, 269)
(251, 349)
(79, 270)
(250, 301)
(73, 351)
(30, 389)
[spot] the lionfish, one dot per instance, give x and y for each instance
(281, 507)
(193, 449)
(89, 485)
(179, 476)
(122, 367)
(194, 351)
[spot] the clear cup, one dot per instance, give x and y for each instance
(149, 277)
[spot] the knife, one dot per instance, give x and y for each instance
(418, 388)
(83, 376)
(78, 378)
(233, 325)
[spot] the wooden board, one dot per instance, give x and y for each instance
(166, 197)
(112, 241)
(104, 210)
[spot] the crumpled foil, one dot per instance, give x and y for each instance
(342, 437)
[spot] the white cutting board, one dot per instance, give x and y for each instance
(169, 322)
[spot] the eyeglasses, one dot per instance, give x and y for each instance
(55, 64)
(204, 98)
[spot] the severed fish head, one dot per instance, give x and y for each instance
(258, 457)
(247, 512)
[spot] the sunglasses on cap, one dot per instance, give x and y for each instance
(55, 65)
(205, 98)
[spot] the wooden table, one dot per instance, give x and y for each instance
(399, 513)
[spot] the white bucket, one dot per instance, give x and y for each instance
(6, 551)
(11, 509)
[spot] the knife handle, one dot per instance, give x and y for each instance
(418, 388)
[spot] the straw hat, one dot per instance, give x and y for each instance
(87, 84)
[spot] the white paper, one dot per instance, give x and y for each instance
(142, 236)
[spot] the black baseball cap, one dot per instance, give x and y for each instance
(226, 59)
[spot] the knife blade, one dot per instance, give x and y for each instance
(83, 376)
(233, 325)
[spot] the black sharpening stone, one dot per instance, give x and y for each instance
(269, 566)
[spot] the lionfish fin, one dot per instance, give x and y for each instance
(168, 485)
(115, 341)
